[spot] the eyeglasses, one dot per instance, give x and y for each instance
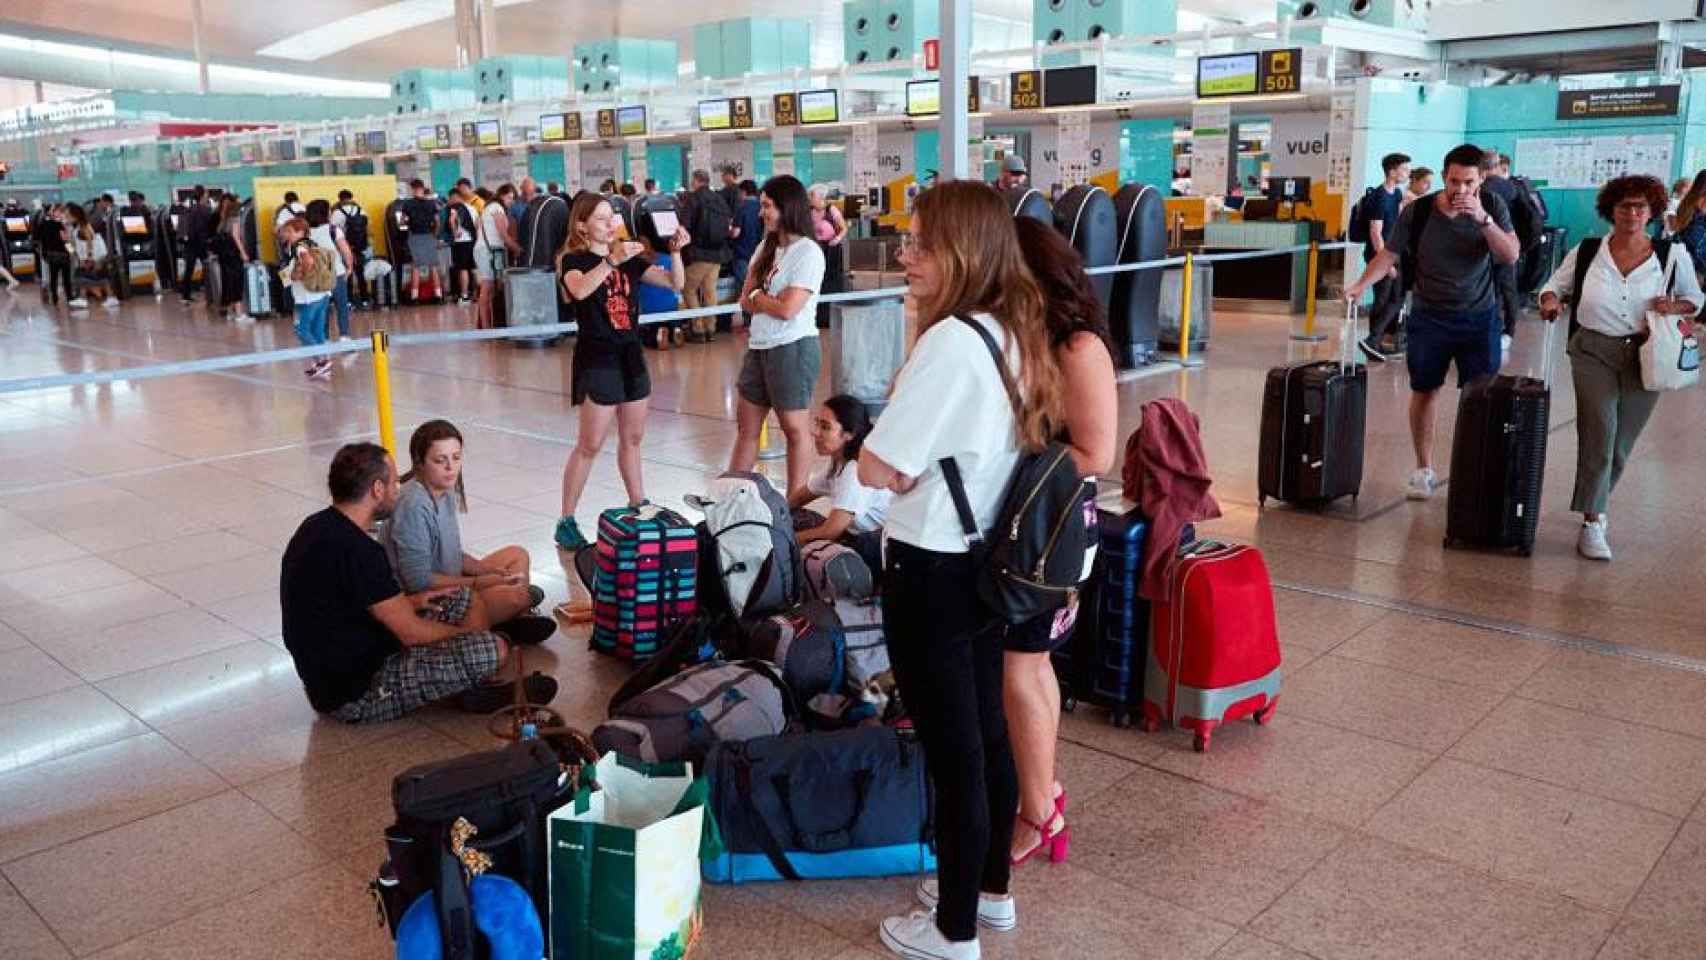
(1632, 206)
(910, 244)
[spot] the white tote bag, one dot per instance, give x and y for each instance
(1670, 360)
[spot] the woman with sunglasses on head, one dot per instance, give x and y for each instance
(610, 382)
(967, 279)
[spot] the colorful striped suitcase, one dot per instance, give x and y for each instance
(1214, 648)
(647, 571)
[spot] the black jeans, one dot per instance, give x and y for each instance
(58, 272)
(1510, 304)
(193, 257)
(1388, 299)
(945, 647)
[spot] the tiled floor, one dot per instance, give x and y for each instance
(1475, 756)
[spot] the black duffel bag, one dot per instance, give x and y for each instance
(846, 803)
(505, 794)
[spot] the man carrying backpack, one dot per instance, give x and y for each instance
(1496, 168)
(1448, 244)
(709, 222)
(352, 220)
(1372, 222)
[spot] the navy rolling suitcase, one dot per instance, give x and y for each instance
(1102, 662)
(1498, 460)
(1313, 419)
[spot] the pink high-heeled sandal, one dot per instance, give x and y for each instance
(1058, 843)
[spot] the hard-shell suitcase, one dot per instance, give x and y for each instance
(647, 571)
(257, 289)
(1214, 648)
(1498, 460)
(1313, 419)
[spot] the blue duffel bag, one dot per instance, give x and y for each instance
(818, 806)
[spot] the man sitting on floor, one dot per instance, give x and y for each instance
(365, 650)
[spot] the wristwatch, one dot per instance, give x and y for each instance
(1485, 219)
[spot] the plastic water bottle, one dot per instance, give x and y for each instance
(529, 731)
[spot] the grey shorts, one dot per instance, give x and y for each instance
(423, 251)
(781, 378)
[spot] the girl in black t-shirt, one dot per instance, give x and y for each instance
(599, 273)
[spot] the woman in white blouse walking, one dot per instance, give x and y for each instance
(1623, 278)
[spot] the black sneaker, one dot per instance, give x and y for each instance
(527, 630)
(1372, 352)
(492, 697)
(535, 596)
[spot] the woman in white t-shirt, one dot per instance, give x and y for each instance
(965, 273)
(782, 353)
(331, 239)
(855, 510)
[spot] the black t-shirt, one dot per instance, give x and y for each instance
(333, 571)
(1383, 205)
(50, 235)
(609, 314)
(421, 214)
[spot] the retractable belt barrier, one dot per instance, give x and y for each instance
(216, 364)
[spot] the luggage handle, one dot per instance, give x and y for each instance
(1347, 336)
(1548, 362)
(826, 841)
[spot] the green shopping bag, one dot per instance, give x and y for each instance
(625, 863)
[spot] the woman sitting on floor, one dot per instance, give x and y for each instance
(856, 511)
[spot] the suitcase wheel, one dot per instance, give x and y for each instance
(1199, 742)
(1151, 722)
(1262, 716)
(1120, 718)
(1068, 703)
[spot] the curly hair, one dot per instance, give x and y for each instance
(1634, 187)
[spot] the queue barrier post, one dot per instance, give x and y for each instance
(1185, 295)
(1314, 277)
(382, 390)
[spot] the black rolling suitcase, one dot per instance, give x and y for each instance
(1498, 460)
(1313, 418)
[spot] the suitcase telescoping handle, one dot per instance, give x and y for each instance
(1548, 360)
(1347, 337)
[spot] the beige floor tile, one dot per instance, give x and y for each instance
(144, 643)
(1448, 651)
(11, 639)
(207, 585)
(184, 553)
(89, 611)
(317, 914)
(851, 908)
(342, 801)
(1248, 946)
(861, 953)
(49, 580)
(108, 888)
(740, 922)
(1193, 845)
(1623, 689)
(1417, 711)
(1372, 900)
(1087, 773)
(1067, 911)
(1675, 892)
(257, 613)
(1608, 758)
(1638, 938)
(26, 672)
(222, 679)
(1319, 623)
(60, 724)
(29, 551)
(50, 803)
(1592, 850)
(1333, 774)
(246, 741)
(138, 524)
(25, 936)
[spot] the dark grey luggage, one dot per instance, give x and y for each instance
(1498, 460)
(683, 717)
(1313, 421)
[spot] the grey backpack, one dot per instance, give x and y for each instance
(867, 647)
(835, 571)
(752, 533)
(683, 717)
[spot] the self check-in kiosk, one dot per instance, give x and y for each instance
(20, 251)
(1085, 216)
(132, 234)
(1134, 304)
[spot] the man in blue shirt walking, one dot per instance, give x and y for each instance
(1382, 218)
(748, 230)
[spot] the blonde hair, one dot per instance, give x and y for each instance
(585, 205)
(968, 230)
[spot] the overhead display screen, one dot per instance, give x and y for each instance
(490, 133)
(560, 126)
(1226, 76)
(631, 121)
(923, 98)
(819, 106)
(715, 115)
(1069, 86)
(426, 138)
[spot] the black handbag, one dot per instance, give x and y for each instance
(1033, 563)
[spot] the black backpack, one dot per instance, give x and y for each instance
(355, 229)
(711, 221)
(1528, 212)
(1035, 561)
(1357, 232)
(505, 794)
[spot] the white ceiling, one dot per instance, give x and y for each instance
(235, 30)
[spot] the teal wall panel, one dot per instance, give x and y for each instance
(1146, 152)
(664, 163)
(761, 157)
(446, 170)
(926, 155)
(546, 166)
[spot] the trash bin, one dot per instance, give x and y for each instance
(1202, 305)
(869, 343)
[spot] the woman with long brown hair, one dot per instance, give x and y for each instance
(1078, 333)
(967, 279)
(609, 380)
(1691, 222)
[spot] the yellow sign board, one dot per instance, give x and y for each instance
(373, 191)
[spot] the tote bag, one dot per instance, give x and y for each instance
(1670, 359)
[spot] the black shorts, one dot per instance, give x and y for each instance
(462, 256)
(609, 374)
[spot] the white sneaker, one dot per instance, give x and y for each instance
(78, 304)
(1591, 543)
(1421, 485)
(244, 318)
(996, 913)
(110, 302)
(915, 936)
(1505, 343)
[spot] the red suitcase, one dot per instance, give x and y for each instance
(1214, 649)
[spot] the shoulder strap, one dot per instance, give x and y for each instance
(950, 468)
(1419, 222)
(1586, 251)
(1661, 249)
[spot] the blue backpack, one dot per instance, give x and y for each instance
(504, 916)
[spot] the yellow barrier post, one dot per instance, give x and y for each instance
(1314, 277)
(382, 390)
(765, 451)
(1185, 312)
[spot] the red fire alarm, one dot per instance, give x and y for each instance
(933, 54)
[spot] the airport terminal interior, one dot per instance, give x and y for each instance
(1465, 751)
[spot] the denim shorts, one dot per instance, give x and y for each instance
(1439, 338)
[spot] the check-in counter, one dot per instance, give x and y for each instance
(1278, 283)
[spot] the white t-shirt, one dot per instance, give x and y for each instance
(287, 213)
(342, 213)
(845, 492)
(948, 401)
(322, 237)
(799, 264)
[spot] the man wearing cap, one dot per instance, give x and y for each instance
(1012, 173)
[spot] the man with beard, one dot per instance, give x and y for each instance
(365, 650)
